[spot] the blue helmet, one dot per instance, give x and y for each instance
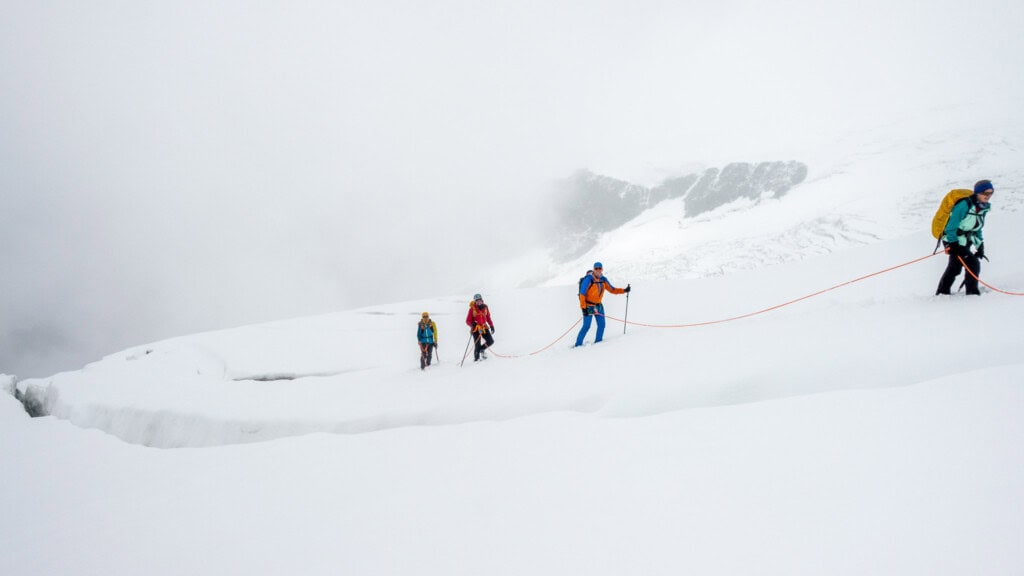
(597, 265)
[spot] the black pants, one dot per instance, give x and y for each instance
(480, 338)
(953, 270)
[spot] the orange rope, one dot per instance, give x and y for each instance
(777, 306)
(542, 349)
(769, 309)
(991, 287)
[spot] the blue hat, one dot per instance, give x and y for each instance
(598, 265)
(982, 186)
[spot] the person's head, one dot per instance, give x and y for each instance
(983, 190)
(478, 299)
(598, 269)
(425, 317)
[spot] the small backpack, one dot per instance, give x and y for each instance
(942, 214)
(579, 285)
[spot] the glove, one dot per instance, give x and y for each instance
(954, 249)
(492, 330)
(980, 252)
(627, 289)
(587, 311)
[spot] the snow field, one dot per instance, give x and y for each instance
(873, 429)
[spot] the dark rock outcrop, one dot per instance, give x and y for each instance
(591, 204)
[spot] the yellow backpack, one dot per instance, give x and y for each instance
(942, 214)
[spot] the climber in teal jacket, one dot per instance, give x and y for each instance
(964, 230)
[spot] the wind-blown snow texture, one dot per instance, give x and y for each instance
(857, 432)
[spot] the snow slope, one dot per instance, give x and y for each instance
(877, 185)
(357, 371)
(873, 429)
(923, 479)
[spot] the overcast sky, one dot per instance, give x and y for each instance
(173, 167)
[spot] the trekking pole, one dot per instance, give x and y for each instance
(467, 350)
(625, 321)
(435, 352)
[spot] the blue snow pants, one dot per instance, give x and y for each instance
(599, 313)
